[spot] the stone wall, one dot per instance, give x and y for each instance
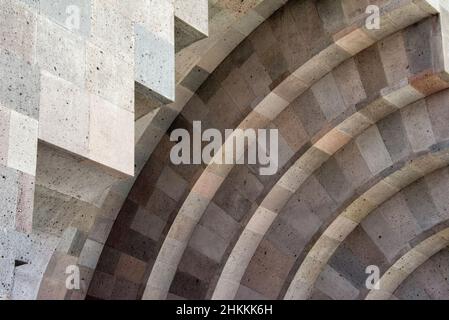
(353, 107)
(70, 71)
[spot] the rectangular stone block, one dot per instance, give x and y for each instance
(348, 80)
(353, 165)
(418, 126)
(61, 52)
(219, 222)
(208, 243)
(22, 151)
(18, 29)
(111, 137)
(154, 64)
(19, 85)
(110, 78)
(112, 31)
(64, 114)
(385, 238)
(334, 181)
(421, 205)
(394, 58)
(392, 130)
(328, 97)
(309, 112)
(373, 150)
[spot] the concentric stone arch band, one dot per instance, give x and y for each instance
(190, 213)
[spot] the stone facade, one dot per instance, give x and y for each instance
(86, 115)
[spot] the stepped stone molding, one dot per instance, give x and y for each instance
(86, 179)
(191, 212)
(393, 98)
(304, 280)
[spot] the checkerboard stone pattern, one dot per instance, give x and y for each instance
(363, 149)
(353, 108)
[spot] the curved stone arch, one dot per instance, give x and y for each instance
(392, 229)
(392, 98)
(205, 55)
(196, 203)
(283, 190)
(407, 264)
(316, 259)
(244, 254)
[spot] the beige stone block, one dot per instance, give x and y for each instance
(22, 150)
(64, 114)
(299, 290)
(358, 209)
(403, 177)
(182, 228)
(427, 164)
(340, 228)
(355, 41)
(293, 178)
(444, 233)
(410, 261)
(261, 221)
(323, 249)
(290, 88)
(354, 124)
(112, 31)
(225, 289)
(311, 71)
(333, 141)
(271, 106)
(194, 206)
(402, 94)
(378, 109)
(110, 78)
(311, 160)
(208, 184)
(111, 140)
(391, 279)
(159, 281)
(380, 192)
(170, 250)
(309, 271)
(61, 52)
(378, 295)
(241, 255)
(432, 245)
